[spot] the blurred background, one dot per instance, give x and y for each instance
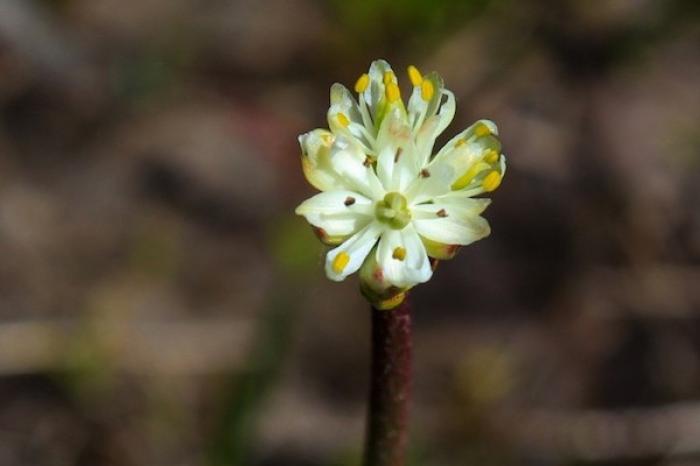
(160, 304)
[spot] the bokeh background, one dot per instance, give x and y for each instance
(161, 305)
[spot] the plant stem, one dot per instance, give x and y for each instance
(390, 386)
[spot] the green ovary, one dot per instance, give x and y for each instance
(393, 211)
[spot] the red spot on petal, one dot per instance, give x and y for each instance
(452, 249)
(320, 233)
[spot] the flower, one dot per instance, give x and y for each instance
(387, 204)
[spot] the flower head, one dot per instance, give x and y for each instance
(387, 203)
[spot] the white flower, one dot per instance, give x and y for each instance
(386, 202)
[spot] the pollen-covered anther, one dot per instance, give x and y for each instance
(393, 93)
(491, 156)
(340, 261)
(482, 130)
(399, 253)
(415, 76)
(389, 77)
(491, 181)
(427, 90)
(343, 120)
(362, 83)
(349, 201)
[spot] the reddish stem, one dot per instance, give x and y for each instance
(390, 387)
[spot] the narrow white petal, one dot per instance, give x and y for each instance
(482, 143)
(396, 162)
(338, 213)
(446, 112)
(354, 250)
(431, 182)
(450, 230)
(355, 172)
(454, 204)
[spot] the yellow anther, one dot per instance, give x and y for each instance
(492, 181)
(390, 303)
(427, 90)
(343, 120)
(460, 142)
(399, 253)
(362, 83)
(464, 180)
(340, 261)
(389, 77)
(482, 130)
(392, 92)
(415, 76)
(491, 156)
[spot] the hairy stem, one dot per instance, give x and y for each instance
(390, 387)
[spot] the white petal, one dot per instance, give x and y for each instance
(338, 213)
(431, 182)
(396, 164)
(430, 118)
(453, 205)
(356, 248)
(477, 144)
(411, 265)
(452, 230)
(345, 117)
(446, 112)
(349, 162)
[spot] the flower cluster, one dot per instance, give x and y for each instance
(387, 204)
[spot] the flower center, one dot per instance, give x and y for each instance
(393, 210)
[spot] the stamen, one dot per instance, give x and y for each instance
(389, 77)
(464, 180)
(399, 253)
(425, 173)
(362, 83)
(482, 130)
(427, 90)
(415, 76)
(399, 151)
(491, 156)
(340, 261)
(367, 162)
(349, 201)
(392, 92)
(343, 120)
(441, 213)
(491, 181)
